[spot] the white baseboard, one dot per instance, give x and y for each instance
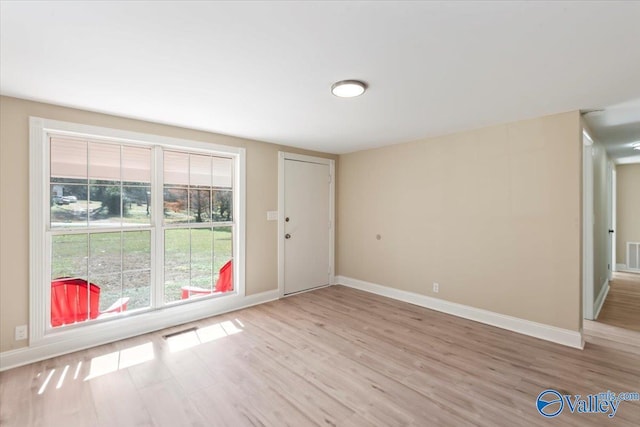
(153, 321)
(602, 296)
(622, 268)
(538, 330)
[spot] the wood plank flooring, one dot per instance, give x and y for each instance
(334, 356)
(622, 306)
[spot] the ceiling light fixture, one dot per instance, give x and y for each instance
(348, 88)
(636, 146)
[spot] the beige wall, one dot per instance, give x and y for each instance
(601, 257)
(628, 209)
(262, 195)
(493, 215)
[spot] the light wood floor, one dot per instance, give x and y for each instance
(335, 356)
(622, 306)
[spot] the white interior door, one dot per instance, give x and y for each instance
(587, 228)
(306, 225)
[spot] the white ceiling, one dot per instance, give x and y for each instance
(263, 70)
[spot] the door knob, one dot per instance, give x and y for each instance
(287, 236)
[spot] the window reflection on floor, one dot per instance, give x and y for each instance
(58, 377)
(202, 335)
(112, 362)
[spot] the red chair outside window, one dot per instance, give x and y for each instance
(225, 279)
(75, 300)
(224, 284)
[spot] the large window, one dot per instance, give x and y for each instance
(100, 228)
(198, 223)
(131, 225)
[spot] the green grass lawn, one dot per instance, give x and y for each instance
(77, 213)
(120, 263)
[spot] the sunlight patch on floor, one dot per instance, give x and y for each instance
(202, 335)
(122, 359)
(136, 355)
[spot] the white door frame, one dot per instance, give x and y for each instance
(614, 212)
(609, 200)
(587, 227)
(282, 156)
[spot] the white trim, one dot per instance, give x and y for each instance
(113, 330)
(304, 158)
(602, 296)
(157, 251)
(240, 185)
(526, 327)
(587, 228)
(38, 260)
(628, 160)
(614, 225)
(282, 156)
(332, 219)
(609, 219)
(129, 137)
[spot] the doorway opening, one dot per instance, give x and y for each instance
(622, 307)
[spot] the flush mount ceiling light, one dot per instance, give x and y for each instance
(348, 88)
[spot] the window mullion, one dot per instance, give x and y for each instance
(157, 229)
(88, 269)
(189, 213)
(121, 223)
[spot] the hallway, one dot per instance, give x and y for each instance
(622, 307)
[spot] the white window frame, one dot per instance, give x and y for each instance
(61, 340)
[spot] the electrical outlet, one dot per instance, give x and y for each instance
(436, 287)
(21, 332)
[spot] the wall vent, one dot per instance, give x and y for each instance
(633, 255)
